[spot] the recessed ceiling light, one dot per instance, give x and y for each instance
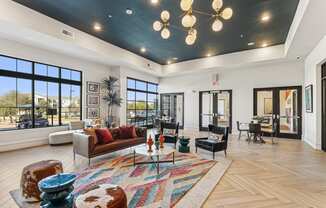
(129, 11)
(143, 49)
(168, 62)
(209, 55)
(264, 45)
(97, 27)
(154, 2)
(265, 17)
(251, 43)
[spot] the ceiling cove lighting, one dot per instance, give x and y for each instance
(251, 44)
(97, 27)
(143, 49)
(189, 20)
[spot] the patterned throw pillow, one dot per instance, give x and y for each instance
(217, 137)
(126, 132)
(170, 132)
(104, 136)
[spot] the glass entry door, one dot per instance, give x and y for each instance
(279, 108)
(215, 107)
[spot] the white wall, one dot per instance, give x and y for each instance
(313, 64)
(241, 81)
(91, 72)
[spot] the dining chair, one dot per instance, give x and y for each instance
(242, 129)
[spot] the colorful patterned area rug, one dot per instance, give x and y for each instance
(143, 187)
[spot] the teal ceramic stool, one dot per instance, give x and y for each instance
(183, 147)
(57, 191)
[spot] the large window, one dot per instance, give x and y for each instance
(34, 95)
(142, 99)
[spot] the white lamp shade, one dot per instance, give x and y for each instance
(165, 33)
(157, 25)
(227, 13)
(191, 39)
(186, 5)
(217, 4)
(189, 20)
(217, 25)
(165, 16)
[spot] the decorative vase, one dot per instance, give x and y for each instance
(150, 143)
(161, 141)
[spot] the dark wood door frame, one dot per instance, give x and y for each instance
(276, 107)
(323, 106)
(214, 107)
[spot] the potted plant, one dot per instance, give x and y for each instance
(112, 96)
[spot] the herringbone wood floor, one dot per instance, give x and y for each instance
(287, 175)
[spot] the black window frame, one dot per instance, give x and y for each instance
(34, 77)
(147, 92)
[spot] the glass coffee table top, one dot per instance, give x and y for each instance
(143, 150)
(155, 157)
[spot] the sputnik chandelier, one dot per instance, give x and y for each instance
(189, 20)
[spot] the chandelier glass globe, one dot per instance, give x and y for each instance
(189, 20)
(165, 16)
(217, 25)
(193, 32)
(191, 39)
(165, 33)
(227, 13)
(217, 4)
(157, 26)
(186, 5)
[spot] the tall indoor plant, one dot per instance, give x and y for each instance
(112, 96)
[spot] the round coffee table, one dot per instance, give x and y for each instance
(155, 155)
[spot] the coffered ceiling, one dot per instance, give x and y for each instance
(255, 24)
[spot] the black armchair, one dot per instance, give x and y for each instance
(169, 138)
(214, 145)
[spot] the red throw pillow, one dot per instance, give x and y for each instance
(104, 136)
(126, 132)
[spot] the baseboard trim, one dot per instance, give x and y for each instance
(310, 143)
(22, 144)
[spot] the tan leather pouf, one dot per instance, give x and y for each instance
(102, 196)
(35, 172)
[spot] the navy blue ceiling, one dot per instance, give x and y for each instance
(134, 31)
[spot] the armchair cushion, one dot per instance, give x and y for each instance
(104, 136)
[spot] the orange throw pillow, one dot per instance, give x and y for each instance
(91, 132)
(104, 136)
